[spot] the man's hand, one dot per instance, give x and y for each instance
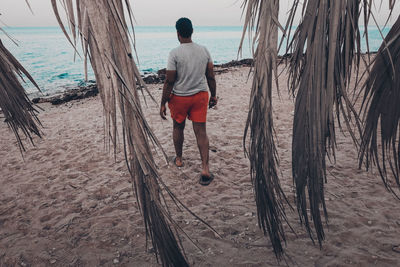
(163, 112)
(167, 89)
(213, 102)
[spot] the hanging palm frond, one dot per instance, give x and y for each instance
(105, 40)
(392, 3)
(262, 16)
(381, 137)
(324, 48)
(19, 113)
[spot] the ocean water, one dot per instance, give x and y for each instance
(47, 55)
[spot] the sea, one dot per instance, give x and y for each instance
(50, 58)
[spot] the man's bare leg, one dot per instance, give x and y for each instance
(178, 137)
(203, 144)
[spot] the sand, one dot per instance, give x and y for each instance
(69, 202)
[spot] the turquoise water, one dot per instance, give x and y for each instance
(47, 55)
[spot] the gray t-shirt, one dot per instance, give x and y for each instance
(190, 62)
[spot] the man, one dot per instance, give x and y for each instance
(189, 70)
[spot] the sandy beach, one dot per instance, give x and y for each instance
(68, 201)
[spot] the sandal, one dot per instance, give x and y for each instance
(206, 180)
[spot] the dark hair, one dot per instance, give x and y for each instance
(184, 27)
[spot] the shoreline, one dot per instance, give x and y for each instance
(89, 88)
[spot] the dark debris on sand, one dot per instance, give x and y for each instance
(69, 95)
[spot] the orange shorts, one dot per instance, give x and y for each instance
(194, 107)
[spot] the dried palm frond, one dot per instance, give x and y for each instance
(392, 3)
(18, 110)
(381, 110)
(105, 40)
(324, 48)
(262, 16)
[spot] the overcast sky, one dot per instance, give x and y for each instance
(152, 12)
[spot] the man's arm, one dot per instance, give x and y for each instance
(167, 89)
(211, 84)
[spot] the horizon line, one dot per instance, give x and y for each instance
(45, 26)
(172, 26)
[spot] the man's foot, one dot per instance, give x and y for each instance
(206, 179)
(178, 162)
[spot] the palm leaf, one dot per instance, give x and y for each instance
(19, 113)
(380, 139)
(262, 16)
(325, 47)
(105, 40)
(324, 51)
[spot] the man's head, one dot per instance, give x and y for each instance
(184, 27)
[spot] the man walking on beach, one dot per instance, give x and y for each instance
(189, 70)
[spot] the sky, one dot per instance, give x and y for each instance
(153, 12)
